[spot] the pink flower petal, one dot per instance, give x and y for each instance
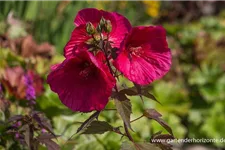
(80, 87)
(120, 30)
(100, 56)
(87, 15)
(145, 55)
(77, 40)
(120, 25)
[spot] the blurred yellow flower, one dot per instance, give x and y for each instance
(152, 8)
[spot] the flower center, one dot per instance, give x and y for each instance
(86, 70)
(136, 50)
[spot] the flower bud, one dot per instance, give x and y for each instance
(108, 26)
(90, 28)
(102, 22)
(99, 28)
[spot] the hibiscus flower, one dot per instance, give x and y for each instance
(144, 55)
(79, 37)
(82, 82)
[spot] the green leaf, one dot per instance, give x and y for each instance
(88, 121)
(153, 114)
(98, 127)
(124, 109)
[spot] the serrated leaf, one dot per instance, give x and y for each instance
(153, 114)
(43, 122)
(88, 121)
(124, 109)
(98, 127)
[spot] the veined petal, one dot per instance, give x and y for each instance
(120, 29)
(82, 83)
(87, 15)
(78, 38)
(145, 55)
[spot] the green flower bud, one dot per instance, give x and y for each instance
(90, 28)
(102, 22)
(99, 28)
(108, 26)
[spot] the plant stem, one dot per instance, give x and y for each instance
(107, 60)
(116, 89)
(137, 118)
(128, 133)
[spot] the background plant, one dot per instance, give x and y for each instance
(192, 97)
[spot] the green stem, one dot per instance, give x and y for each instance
(137, 118)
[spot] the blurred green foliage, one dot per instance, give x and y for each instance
(192, 93)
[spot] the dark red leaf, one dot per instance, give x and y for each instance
(98, 127)
(88, 121)
(153, 114)
(15, 118)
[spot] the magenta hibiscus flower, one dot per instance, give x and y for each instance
(82, 82)
(144, 55)
(79, 37)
